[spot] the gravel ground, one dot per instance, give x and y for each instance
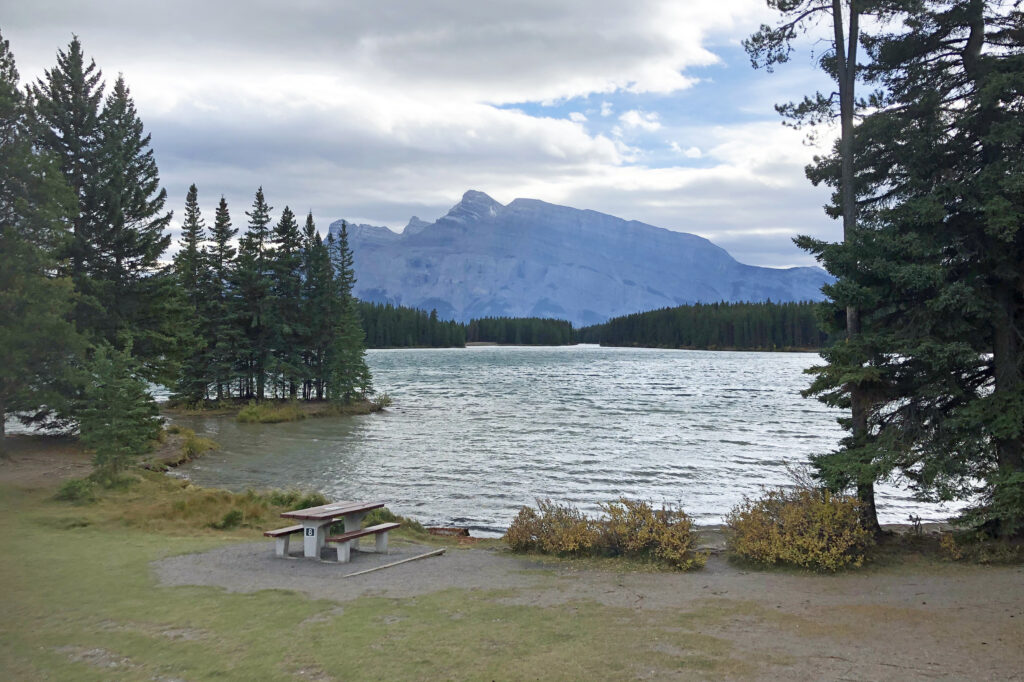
(921, 623)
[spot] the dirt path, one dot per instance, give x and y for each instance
(928, 621)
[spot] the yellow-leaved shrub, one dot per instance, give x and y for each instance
(807, 527)
(628, 528)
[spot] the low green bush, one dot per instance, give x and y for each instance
(382, 400)
(295, 499)
(77, 491)
(811, 528)
(232, 519)
(196, 445)
(385, 515)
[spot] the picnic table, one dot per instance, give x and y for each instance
(316, 521)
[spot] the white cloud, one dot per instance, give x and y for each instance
(377, 111)
(637, 119)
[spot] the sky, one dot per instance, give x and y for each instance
(377, 111)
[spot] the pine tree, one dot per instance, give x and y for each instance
(191, 269)
(317, 308)
(38, 346)
(118, 418)
(118, 235)
(67, 107)
(771, 46)
(251, 300)
(286, 324)
(348, 375)
(224, 338)
(940, 185)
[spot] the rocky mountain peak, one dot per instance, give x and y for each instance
(474, 207)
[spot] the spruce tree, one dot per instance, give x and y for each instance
(67, 108)
(317, 308)
(286, 323)
(348, 375)
(940, 183)
(223, 338)
(118, 419)
(38, 345)
(771, 46)
(251, 299)
(192, 272)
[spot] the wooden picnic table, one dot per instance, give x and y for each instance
(316, 520)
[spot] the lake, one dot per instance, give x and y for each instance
(476, 433)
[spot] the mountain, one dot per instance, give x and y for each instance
(535, 259)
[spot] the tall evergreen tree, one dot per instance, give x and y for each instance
(317, 308)
(118, 234)
(940, 186)
(252, 303)
(771, 46)
(191, 268)
(224, 337)
(286, 323)
(348, 376)
(38, 346)
(67, 107)
(137, 295)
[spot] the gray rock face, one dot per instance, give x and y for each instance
(531, 258)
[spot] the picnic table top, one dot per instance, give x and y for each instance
(332, 510)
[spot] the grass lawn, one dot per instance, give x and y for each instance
(81, 603)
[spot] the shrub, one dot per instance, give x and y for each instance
(382, 400)
(196, 445)
(805, 527)
(556, 529)
(634, 528)
(563, 529)
(521, 535)
(295, 499)
(231, 519)
(77, 490)
(385, 515)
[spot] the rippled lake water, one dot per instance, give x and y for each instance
(475, 433)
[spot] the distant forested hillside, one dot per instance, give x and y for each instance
(742, 326)
(390, 326)
(527, 331)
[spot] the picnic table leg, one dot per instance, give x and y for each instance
(354, 522)
(312, 539)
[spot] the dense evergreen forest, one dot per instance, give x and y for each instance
(391, 326)
(525, 331)
(739, 326)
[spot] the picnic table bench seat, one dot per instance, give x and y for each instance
(344, 541)
(283, 535)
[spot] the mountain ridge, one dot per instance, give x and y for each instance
(532, 258)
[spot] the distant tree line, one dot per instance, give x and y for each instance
(528, 331)
(741, 326)
(391, 326)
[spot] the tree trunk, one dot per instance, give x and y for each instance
(846, 67)
(1006, 350)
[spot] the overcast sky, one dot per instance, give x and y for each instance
(377, 111)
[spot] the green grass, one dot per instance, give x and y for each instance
(81, 603)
